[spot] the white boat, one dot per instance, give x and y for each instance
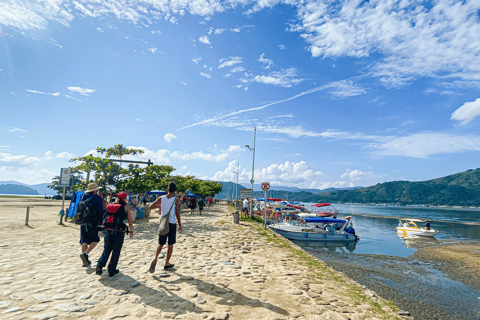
(328, 230)
(407, 228)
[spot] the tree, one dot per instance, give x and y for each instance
(75, 181)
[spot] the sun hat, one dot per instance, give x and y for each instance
(92, 187)
(122, 195)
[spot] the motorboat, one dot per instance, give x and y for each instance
(407, 228)
(327, 210)
(315, 229)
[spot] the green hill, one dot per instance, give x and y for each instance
(16, 189)
(461, 189)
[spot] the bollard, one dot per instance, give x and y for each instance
(27, 216)
(236, 217)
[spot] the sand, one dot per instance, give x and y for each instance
(222, 270)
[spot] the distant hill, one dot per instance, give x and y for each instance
(40, 188)
(17, 189)
(460, 189)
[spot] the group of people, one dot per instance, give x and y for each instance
(201, 202)
(112, 219)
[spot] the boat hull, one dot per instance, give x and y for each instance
(406, 232)
(315, 236)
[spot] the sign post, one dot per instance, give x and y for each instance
(64, 181)
(265, 187)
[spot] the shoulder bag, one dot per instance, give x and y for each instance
(163, 228)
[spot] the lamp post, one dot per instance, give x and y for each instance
(253, 166)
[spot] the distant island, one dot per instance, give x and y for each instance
(17, 189)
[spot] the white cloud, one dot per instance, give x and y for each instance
(467, 112)
(65, 154)
(438, 39)
(354, 175)
(27, 175)
(285, 78)
(169, 137)
(240, 28)
(57, 94)
(281, 46)
(183, 82)
(99, 30)
(17, 129)
(196, 59)
(267, 63)
(219, 31)
(82, 91)
(222, 156)
(237, 69)
(152, 50)
(22, 160)
(156, 32)
(204, 39)
(423, 145)
(206, 75)
(229, 62)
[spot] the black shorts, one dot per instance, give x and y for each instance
(171, 235)
(89, 236)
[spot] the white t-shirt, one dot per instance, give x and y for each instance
(245, 203)
(166, 204)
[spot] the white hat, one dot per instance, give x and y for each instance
(92, 187)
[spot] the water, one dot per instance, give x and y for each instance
(387, 258)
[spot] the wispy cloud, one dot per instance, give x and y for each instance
(206, 75)
(219, 31)
(286, 78)
(196, 59)
(56, 94)
(267, 63)
(70, 97)
(17, 129)
(82, 91)
(230, 62)
(240, 28)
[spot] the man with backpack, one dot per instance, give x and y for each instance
(201, 204)
(91, 216)
(116, 218)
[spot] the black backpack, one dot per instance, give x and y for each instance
(85, 214)
(115, 217)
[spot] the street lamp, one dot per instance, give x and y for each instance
(253, 165)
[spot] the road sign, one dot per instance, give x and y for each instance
(65, 176)
(265, 186)
(246, 193)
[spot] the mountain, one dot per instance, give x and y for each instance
(228, 190)
(16, 189)
(460, 189)
(40, 188)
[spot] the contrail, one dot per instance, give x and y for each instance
(256, 108)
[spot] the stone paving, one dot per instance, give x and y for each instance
(221, 271)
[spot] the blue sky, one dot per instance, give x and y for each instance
(342, 93)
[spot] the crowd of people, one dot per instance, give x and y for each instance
(111, 218)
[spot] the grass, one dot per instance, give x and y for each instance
(319, 270)
(252, 219)
(222, 222)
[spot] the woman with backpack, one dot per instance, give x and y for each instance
(193, 204)
(116, 217)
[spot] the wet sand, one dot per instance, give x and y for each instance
(222, 271)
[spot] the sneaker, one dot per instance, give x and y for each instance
(113, 273)
(152, 266)
(84, 258)
(168, 267)
(98, 270)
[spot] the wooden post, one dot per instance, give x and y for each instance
(27, 216)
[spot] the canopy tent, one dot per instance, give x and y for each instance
(274, 199)
(321, 205)
(76, 199)
(192, 195)
(157, 192)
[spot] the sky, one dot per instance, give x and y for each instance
(341, 93)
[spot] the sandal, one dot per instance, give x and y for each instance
(152, 266)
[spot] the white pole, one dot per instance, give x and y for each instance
(63, 205)
(253, 168)
(265, 210)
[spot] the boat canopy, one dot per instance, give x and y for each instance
(323, 220)
(274, 199)
(156, 192)
(318, 205)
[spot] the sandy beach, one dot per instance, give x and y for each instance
(222, 270)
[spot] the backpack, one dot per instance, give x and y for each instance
(200, 202)
(85, 214)
(115, 217)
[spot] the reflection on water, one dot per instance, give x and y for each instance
(330, 246)
(417, 243)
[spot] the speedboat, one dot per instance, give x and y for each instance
(327, 210)
(407, 228)
(315, 229)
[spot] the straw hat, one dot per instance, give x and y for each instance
(92, 187)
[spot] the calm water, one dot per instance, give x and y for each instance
(378, 234)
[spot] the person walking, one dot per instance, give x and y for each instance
(193, 204)
(89, 230)
(201, 204)
(115, 227)
(165, 204)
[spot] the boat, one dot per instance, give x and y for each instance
(327, 210)
(315, 229)
(407, 228)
